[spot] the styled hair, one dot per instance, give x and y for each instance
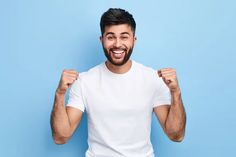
(117, 16)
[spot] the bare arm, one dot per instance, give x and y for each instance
(64, 120)
(172, 117)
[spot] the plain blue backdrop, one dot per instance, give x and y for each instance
(40, 38)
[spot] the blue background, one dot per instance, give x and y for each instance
(40, 38)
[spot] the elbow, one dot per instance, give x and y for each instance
(59, 140)
(177, 136)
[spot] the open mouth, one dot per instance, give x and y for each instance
(118, 51)
(117, 54)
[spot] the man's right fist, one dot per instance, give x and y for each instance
(68, 77)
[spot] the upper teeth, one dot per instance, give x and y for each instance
(119, 52)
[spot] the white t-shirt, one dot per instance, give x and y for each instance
(119, 109)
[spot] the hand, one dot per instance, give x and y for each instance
(68, 77)
(169, 77)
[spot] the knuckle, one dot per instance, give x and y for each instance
(72, 70)
(64, 72)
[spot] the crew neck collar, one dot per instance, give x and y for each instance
(117, 74)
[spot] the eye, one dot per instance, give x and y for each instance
(110, 37)
(124, 37)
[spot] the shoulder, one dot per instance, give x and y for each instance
(149, 73)
(146, 70)
(91, 74)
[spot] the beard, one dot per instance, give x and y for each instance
(127, 53)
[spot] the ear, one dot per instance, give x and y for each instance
(100, 38)
(135, 39)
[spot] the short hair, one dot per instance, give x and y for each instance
(116, 16)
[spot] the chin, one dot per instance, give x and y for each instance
(118, 63)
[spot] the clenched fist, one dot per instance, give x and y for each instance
(169, 77)
(68, 77)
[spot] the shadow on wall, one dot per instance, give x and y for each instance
(89, 53)
(78, 142)
(76, 146)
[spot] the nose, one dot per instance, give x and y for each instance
(117, 43)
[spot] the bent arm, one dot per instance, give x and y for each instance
(172, 117)
(64, 120)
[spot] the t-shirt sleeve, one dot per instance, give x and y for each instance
(76, 97)
(162, 93)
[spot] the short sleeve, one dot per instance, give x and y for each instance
(76, 97)
(162, 93)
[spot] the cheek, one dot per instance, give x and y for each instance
(107, 44)
(129, 44)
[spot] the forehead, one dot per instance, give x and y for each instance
(118, 29)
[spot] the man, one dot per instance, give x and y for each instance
(119, 96)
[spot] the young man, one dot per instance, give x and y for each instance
(119, 96)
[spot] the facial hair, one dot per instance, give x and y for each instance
(125, 59)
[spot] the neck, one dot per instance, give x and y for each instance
(119, 69)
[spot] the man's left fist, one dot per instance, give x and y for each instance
(169, 77)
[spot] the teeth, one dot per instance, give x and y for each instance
(118, 52)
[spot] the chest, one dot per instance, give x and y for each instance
(119, 97)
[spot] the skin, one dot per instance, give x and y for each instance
(172, 117)
(117, 38)
(64, 120)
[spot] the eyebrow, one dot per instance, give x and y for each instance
(108, 33)
(125, 33)
(111, 33)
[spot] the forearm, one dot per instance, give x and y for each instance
(60, 123)
(176, 119)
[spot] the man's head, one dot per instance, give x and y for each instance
(116, 16)
(118, 35)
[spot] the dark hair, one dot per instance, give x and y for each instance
(116, 16)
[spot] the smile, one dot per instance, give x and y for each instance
(117, 54)
(118, 51)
